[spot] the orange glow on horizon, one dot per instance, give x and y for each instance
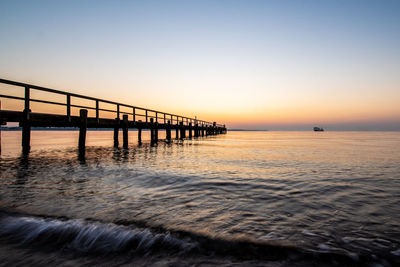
(241, 111)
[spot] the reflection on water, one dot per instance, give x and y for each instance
(321, 191)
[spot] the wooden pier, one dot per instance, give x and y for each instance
(132, 117)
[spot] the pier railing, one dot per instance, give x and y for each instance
(137, 113)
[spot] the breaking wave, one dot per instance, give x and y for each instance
(87, 236)
(93, 237)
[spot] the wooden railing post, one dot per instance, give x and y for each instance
(27, 97)
(125, 130)
(82, 130)
(97, 111)
(118, 111)
(69, 107)
(146, 116)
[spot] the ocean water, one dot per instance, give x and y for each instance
(243, 198)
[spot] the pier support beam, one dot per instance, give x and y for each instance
(82, 130)
(116, 132)
(190, 130)
(140, 132)
(156, 132)
(168, 131)
(26, 127)
(182, 130)
(196, 130)
(125, 130)
(177, 131)
(152, 132)
(26, 131)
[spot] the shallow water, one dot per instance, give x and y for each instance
(317, 193)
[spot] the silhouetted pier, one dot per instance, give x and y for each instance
(132, 117)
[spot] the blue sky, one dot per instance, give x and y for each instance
(249, 64)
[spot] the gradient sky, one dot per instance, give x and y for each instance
(250, 64)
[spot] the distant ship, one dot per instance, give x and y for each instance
(317, 129)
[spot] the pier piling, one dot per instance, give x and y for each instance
(152, 132)
(168, 131)
(26, 127)
(156, 132)
(182, 130)
(82, 130)
(26, 131)
(139, 132)
(116, 132)
(125, 130)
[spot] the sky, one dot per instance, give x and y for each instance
(278, 65)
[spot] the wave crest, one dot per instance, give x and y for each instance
(89, 237)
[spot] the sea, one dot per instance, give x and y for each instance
(245, 198)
